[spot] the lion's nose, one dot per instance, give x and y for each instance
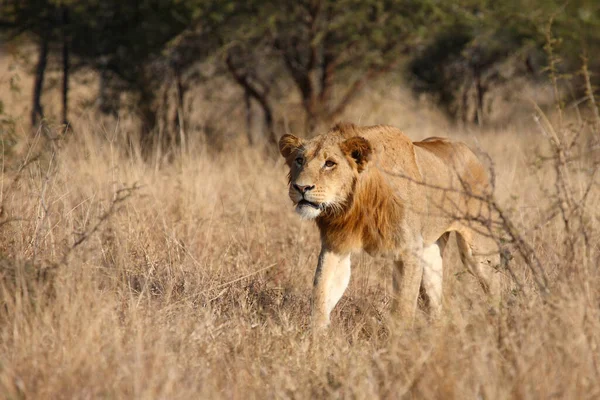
(303, 189)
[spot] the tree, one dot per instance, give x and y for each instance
(482, 44)
(326, 50)
(37, 18)
(319, 45)
(121, 40)
(125, 42)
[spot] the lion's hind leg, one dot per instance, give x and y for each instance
(432, 283)
(480, 257)
(407, 277)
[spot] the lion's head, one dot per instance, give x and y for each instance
(323, 170)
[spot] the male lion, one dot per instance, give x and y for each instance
(372, 188)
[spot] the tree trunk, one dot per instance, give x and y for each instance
(479, 93)
(269, 123)
(37, 111)
(148, 118)
(463, 106)
(109, 100)
(311, 120)
(103, 91)
(65, 65)
(248, 102)
(180, 117)
(260, 96)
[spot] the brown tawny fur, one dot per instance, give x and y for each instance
(373, 189)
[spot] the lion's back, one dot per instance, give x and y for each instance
(454, 156)
(436, 160)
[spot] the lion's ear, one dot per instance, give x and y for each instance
(358, 149)
(288, 144)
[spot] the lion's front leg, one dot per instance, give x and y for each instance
(407, 276)
(331, 280)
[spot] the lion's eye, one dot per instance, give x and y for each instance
(299, 160)
(330, 164)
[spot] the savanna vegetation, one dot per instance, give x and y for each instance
(148, 248)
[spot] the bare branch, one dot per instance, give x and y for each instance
(120, 196)
(259, 95)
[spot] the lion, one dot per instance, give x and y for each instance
(373, 189)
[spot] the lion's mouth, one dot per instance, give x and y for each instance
(304, 202)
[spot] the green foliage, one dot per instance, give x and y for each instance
(483, 43)
(319, 44)
(119, 38)
(453, 48)
(124, 35)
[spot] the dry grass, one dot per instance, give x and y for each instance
(197, 285)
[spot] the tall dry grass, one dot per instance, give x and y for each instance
(197, 285)
(124, 278)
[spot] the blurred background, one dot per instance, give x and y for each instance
(248, 71)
